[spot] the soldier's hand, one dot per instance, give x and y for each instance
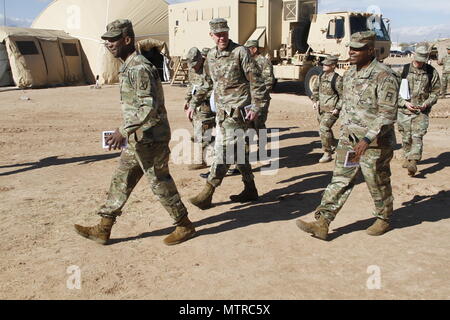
(423, 108)
(190, 114)
(115, 141)
(410, 107)
(360, 149)
(251, 116)
(336, 112)
(315, 105)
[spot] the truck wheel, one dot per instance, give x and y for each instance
(311, 77)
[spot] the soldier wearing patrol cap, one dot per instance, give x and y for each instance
(147, 129)
(266, 68)
(237, 84)
(413, 113)
(445, 73)
(327, 98)
(369, 110)
(203, 119)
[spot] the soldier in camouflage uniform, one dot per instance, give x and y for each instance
(445, 73)
(237, 83)
(203, 119)
(369, 110)
(266, 68)
(326, 95)
(413, 114)
(148, 132)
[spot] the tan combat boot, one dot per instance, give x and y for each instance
(412, 168)
(203, 199)
(327, 157)
(249, 194)
(184, 231)
(99, 233)
(378, 228)
(318, 229)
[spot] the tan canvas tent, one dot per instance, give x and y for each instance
(87, 20)
(40, 57)
(5, 68)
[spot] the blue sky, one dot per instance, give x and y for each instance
(411, 20)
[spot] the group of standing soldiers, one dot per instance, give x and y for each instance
(236, 81)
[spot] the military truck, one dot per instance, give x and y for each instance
(291, 32)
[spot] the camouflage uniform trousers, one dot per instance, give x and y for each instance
(375, 167)
(444, 85)
(152, 160)
(260, 122)
(203, 122)
(326, 121)
(230, 148)
(412, 128)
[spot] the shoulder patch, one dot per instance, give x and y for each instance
(144, 81)
(389, 91)
(389, 97)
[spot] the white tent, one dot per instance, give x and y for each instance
(87, 20)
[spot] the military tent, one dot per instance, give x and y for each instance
(87, 20)
(40, 57)
(5, 68)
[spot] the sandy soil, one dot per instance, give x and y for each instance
(53, 173)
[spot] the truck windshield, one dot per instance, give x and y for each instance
(361, 23)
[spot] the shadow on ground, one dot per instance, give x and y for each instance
(419, 209)
(55, 161)
(283, 204)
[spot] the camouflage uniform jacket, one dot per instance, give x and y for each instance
(420, 90)
(323, 92)
(142, 99)
(235, 79)
(266, 69)
(196, 81)
(446, 64)
(369, 106)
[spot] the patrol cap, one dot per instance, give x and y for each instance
(362, 39)
(330, 60)
(118, 28)
(218, 25)
(205, 51)
(421, 54)
(448, 47)
(252, 43)
(193, 57)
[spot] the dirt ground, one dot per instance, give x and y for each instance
(54, 173)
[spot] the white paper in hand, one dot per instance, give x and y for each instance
(212, 102)
(350, 160)
(105, 135)
(404, 90)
